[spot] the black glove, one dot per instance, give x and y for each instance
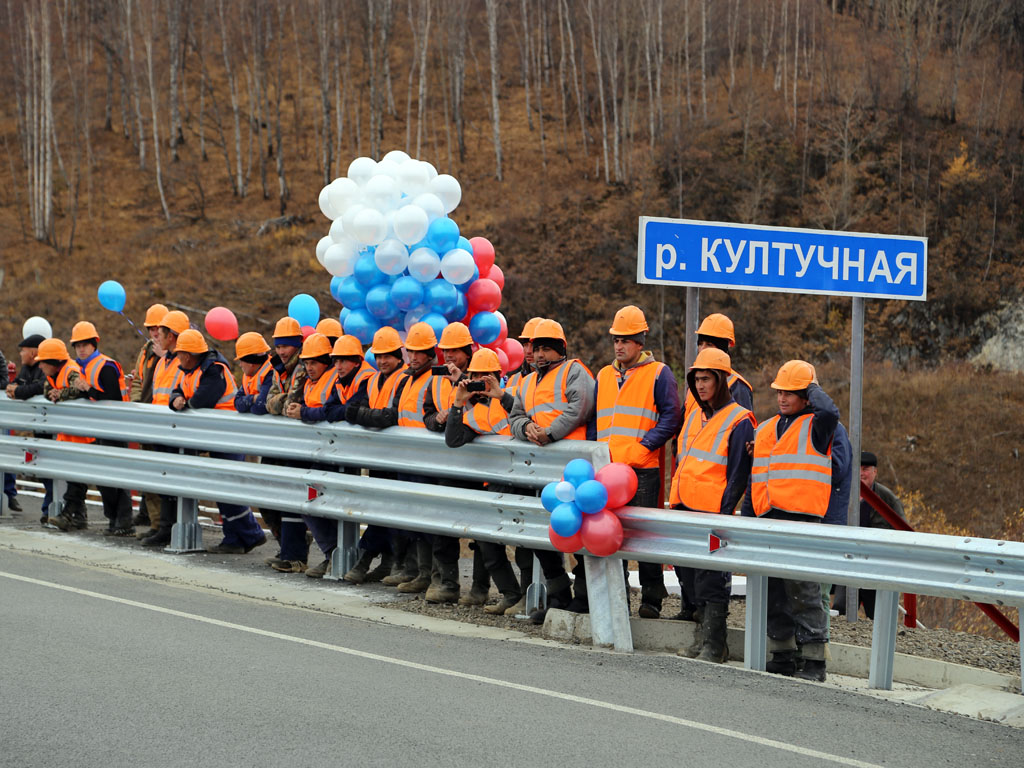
(352, 413)
(276, 364)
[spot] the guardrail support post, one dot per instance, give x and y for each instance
(883, 640)
(1020, 642)
(346, 554)
(755, 639)
(537, 592)
(186, 535)
(609, 606)
(57, 503)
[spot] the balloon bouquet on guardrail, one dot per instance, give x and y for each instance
(583, 504)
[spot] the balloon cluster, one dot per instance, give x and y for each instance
(583, 505)
(397, 258)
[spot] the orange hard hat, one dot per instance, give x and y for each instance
(329, 327)
(315, 345)
(386, 341)
(455, 336)
(287, 326)
(154, 315)
(628, 321)
(84, 331)
(250, 343)
(175, 321)
(348, 346)
(548, 329)
(484, 361)
(421, 338)
(52, 349)
(712, 359)
(794, 376)
(719, 327)
(528, 328)
(191, 340)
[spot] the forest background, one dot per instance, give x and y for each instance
(178, 146)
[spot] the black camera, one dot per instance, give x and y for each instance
(476, 386)
(439, 370)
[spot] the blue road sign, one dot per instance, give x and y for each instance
(709, 254)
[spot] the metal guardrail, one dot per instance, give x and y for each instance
(889, 561)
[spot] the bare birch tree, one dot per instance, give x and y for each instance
(492, 38)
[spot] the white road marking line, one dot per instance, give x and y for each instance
(607, 705)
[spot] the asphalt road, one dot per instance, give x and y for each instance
(105, 669)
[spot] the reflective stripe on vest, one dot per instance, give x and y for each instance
(443, 393)
(380, 391)
(487, 419)
(789, 474)
(410, 404)
(346, 393)
(251, 384)
(513, 383)
(166, 376)
(544, 401)
(190, 382)
(61, 382)
(92, 374)
(626, 413)
(316, 393)
(700, 478)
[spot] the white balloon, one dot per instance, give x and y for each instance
(565, 491)
(342, 192)
(391, 257)
(448, 190)
(388, 168)
(325, 204)
(413, 178)
(457, 266)
(36, 325)
(340, 258)
(348, 219)
(413, 316)
(411, 224)
(424, 264)
(430, 203)
(361, 169)
(396, 156)
(322, 245)
(381, 192)
(370, 227)
(337, 230)
(431, 170)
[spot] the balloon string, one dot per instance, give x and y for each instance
(122, 314)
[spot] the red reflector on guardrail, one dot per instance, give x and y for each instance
(29, 457)
(715, 543)
(311, 493)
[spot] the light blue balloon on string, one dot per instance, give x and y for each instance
(566, 519)
(367, 272)
(378, 302)
(305, 309)
(591, 497)
(437, 321)
(362, 325)
(443, 234)
(440, 295)
(577, 471)
(406, 293)
(548, 498)
(352, 293)
(111, 295)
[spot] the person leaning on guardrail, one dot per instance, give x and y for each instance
(712, 471)
(791, 479)
(103, 379)
(141, 385)
(487, 414)
(207, 383)
(555, 402)
(30, 382)
(637, 414)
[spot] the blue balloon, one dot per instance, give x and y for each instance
(437, 321)
(370, 358)
(476, 276)
(378, 302)
(578, 471)
(459, 310)
(305, 309)
(443, 233)
(335, 285)
(111, 295)
(464, 244)
(362, 325)
(566, 519)
(440, 295)
(485, 328)
(591, 497)
(367, 272)
(548, 498)
(345, 312)
(406, 293)
(352, 293)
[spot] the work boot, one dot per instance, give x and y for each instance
(384, 567)
(358, 572)
(562, 599)
(515, 610)
(715, 647)
(418, 584)
(692, 651)
(502, 606)
(289, 566)
(227, 549)
(783, 663)
(77, 514)
(403, 569)
(424, 564)
(13, 504)
(438, 593)
(685, 614)
(813, 669)
(141, 517)
(158, 538)
(62, 522)
(474, 597)
(319, 570)
(648, 611)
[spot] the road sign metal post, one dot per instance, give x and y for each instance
(856, 422)
(692, 322)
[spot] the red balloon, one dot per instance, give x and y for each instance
(570, 544)
(514, 351)
(222, 324)
(502, 360)
(620, 481)
(483, 295)
(483, 253)
(601, 533)
(504, 327)
(495, 274)
(307, 331)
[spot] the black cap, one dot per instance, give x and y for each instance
(868, 459)
(32, 341)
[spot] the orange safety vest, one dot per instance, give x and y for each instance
(251, 384)
(61, 382)
(410, 404)
(346, 393)
(442, 391)
(690, 402)
(190, 382)
(166, 376)
(545, 401)
(788, 472)
(380, 391)
(487, 418)
(699, 481)
(92, 374)
(316, 393)
(625, 414)
(514, 382)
